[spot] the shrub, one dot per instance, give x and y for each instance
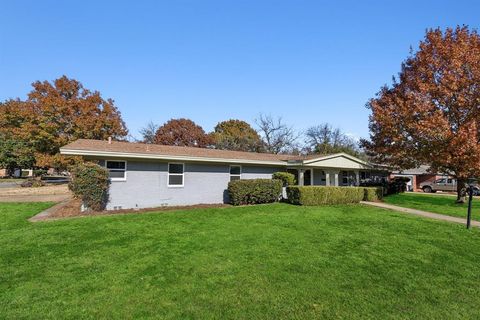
(254, 191)
(373, 194)
(287, 178)
(320, 195)
(395, 185)
(39, 172)
(90, 183)
(32, 183)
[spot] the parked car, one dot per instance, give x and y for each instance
(55, 179)
(445, 185)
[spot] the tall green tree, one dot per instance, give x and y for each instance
(236, 135)
(15, 154)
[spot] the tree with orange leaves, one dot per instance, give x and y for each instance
(431, 114)
(57, 113)
(182, 132)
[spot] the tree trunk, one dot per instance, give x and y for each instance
(461, 190)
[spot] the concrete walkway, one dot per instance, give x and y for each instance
(421, 213)
(44, 215)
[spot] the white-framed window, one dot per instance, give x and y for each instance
(117, 170)
(235, 173)
(175, 174)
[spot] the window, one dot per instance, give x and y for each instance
(344, 178)
(365, 175)
(235, 172)
(175, 174)
(450, 181)
(117, 170)
(440, 181)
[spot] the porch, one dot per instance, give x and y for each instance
(325, 177)
(335, 170)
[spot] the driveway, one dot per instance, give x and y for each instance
(42, 194)
(12, 184)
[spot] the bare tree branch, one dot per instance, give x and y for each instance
(277, 136)
(324, 138)
(148, 132)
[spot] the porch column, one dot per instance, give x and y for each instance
(336, 179)
(357, 178)
(327, 178)
(300, 177)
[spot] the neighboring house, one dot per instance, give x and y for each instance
(17, 173)
(417, 176)
(148, 175)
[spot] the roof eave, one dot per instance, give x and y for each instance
(112, 154)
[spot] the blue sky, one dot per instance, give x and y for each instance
(307, 61)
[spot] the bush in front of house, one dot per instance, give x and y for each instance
(39, 172)
(32, 183)
(322, 195)
(395, 185)
(254, 191)
(89, 183)
(287, 178)
(373, 194)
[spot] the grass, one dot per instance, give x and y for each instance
(434, 203)
(258, 262)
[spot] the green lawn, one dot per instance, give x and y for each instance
(259, 262)
(435, 203)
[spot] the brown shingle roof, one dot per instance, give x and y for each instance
(155, 149)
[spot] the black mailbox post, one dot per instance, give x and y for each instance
(469, 213)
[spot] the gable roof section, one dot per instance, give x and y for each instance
(338, 161)
(102, 148)
(316, 158)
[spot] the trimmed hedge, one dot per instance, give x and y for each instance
(254, 191)
(321, 195)
(373, 194)
(287, 178)
(90, 183)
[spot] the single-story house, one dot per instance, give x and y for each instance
(417, 176)
(149, 175)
